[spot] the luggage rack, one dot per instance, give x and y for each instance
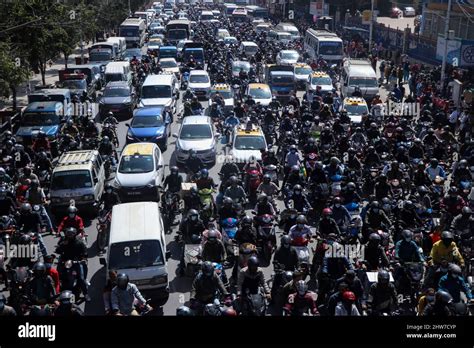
(76, 158)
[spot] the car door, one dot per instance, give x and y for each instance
(158, 166)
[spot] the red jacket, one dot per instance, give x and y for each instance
(75, 222)
(302, 304)
(53, 272)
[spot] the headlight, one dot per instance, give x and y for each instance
(19, 138)
(159, 135)
(88, 197)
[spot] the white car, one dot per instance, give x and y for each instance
(199, 83)
(248, 142)
(287, 57)
(240, 65)
(260, 92)
(230, 40)
(139, 172)
(227, 94)
(221, 34)
(409, 12)
(319, 78)
(170, 65)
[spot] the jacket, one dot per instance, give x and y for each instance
(342, 311)
(451, 253)
(287, 258)
(258, 280)
(455, 286)
(123, 300)
(204, 288)
(214, 252)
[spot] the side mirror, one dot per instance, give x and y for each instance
(175, 135)
(218, 135)
(127, 125)
(102, 261)
(168, 254)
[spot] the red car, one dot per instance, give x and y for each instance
(396, 12)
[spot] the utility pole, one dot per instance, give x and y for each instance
(371, 28)
(129, 7)
(445, 51)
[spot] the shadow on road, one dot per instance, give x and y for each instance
(96, 306)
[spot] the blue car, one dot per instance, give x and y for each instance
(148, 125)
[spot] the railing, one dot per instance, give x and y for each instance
(10, 120)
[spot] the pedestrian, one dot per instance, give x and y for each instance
(400, 74)
(406, 71)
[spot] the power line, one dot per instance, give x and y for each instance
(468, 16)
(21, 25)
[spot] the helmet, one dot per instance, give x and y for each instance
(207, 269)
(351, 186)
(434, 162)
(122, 281)
(383, 277)
(375, 204)
(227, 201)
(174, 170)
(25, 239)
(444, 297)
(293, 147)
(453, 190)
(334, 160)
(70, 232)
(105, 139)
(337, 200)
(327, 211)
(229, 312)
(25, 208)
(454, 269)
(212, 236)
(301, 219)
(66, 297)
(246, 220)
(447, 237)
(374, 238)
(285, 240)
(407, 235)
(295, 169)
(349, 296)
(253, 263)
(297, 187)
(466, 211)
(408, 205)
(39, 268)
(301, 287)
(204, 173)
(233, 180)
(184, 311)
(266, 178)
(194, 190)
(463, 163)
(287, 277)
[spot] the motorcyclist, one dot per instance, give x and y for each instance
(452, 203)
(383, 295)
(349, 194)
(293, 178)
(106, 148)
(7, 203)
(213, 249)
(193, 163)
(416, 151)
(302, 302)
(347, 306)
(327, 225)
(246, 232)
(109, 132)
(196, 105)
(463, 222)
(434, 170)
(446, 249)
(251, 279)
(462, 173)
(6, 311)
(407, 214)
(286, 257)
(235, 190)
(264, 206)
(30, 222)
(229, 168)
(71, 220)
(205, 286)
(376, 218)
(126, 296)
(110, 119)
(269, 188)
(420, 176)
(227, 210)
(43, 163)
(4, 177)
(41, 287)
(374, 253)
(109, 198)
(454, 283)
(358, 138)
(204, 181)
(91, 130)
(66, 307)
(340, 214)
(35, 196)
(406, 249)
(41, 143)
(441, 307)
(301, 229)
(310, 146)
(21, 158)
(71, 129)
(73, 248)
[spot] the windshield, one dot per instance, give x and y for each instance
(100, 56)
(260, 93)
(238, 67)
(284, 36)
(168, 63)
(116, 92)
(251, 48)
(129, 32)
(199, 79)
(330, 48)
(137, 254)
(276, 79)
(195, 132)
(226, 94)
(113, 77)
(75, 84)
(321, 81)
(249, 143)
(156, 92)
(147, 121)
(131, 53)
(230, 41)
(136, 164)
(303, 71)
(356, 109)
(45, 97)
(197, 54)
(39, 119)
(363, 82)
(177, 34)
(289, 55)
(70, 180)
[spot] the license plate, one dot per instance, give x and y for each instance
(134, 193)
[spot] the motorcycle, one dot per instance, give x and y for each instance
(69, 276)
(271, 170)
(253, 304)
(336, 181)
(207, 201)
(192, 256)
(301, 246)
(103, 228)
(170, 208)
(254, 179)
(229, 230)
(266, 237)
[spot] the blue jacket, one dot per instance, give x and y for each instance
(408, 252)
(455, 286)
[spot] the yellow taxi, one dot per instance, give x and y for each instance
(356, 107)
(248, 141)
(260, 92)
(227, 94)
(140, 172)
(319, 78)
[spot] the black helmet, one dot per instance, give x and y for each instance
(301, 219)
(26, 208)
(375, 204)
(253, 263)
(246, 220)
(212, 236)
(267, 178)
(454, 269)
(453, 190)
(174, 170)
(408, 205)
(297, 187)
(25, 239)
(207, 269)
(443, 297)
(233, 180)
(39, 269)
(447, 237)
(466, 211)
(375, 237)
(192, 212)
(407, 235)
(383, 277)
(351, 186)
(285, 240)
(263, 198)
(287, 277)
(184, 311)
(227, 201)
(122, 281)
(66, 297)
(70, 232)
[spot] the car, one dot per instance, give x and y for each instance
(221, 34)
(139, 172)
(409, 11)
(118, 97)
(287, 57)
(159, 90)
(199, 83)
(131, 52)
(197, 133)
(248, 140)
(356, 107)
(260, 92)
(180, 46)
(230, 40)
(319, 78)
(240, 65)
(149, 125)
(395, 12)
(302, 73)
(154, 44)
(169, 65)
(226, 92)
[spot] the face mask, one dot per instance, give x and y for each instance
(109, 191)
(297, 192)
(193, 218)
(301, 226)
(72, 216)
(376, 211)
(337, 205)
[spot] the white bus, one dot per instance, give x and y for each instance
(324, 44)
(134, 32)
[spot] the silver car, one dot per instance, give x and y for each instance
(197, 133)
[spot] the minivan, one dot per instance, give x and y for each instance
(137, 247)
(120, 45)
(118, 71)
(160, 90)
(248, 48)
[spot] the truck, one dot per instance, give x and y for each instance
(178, 29)
(103, 52)
(281, 79)
(79, 78)
(194, 49)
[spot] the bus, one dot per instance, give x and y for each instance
(134, 32)
(323, 44)
(240, 15)
(229, 9)
(257, 12)
(178, 29)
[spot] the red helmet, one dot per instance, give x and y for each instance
(349, 296)
(327, 211)
(229, 312)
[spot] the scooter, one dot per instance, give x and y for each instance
(266, 237)
(301, 246)
(192, 256)
(207, 212)
(254, 179)
(229, 230)
(103, 228)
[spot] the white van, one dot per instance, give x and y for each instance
(160, 90)
(118, 71)
(359, 73)
(249, 48)
(289, 28)
(120, 44)
(137, 247)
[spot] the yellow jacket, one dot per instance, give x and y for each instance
(450, 253)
